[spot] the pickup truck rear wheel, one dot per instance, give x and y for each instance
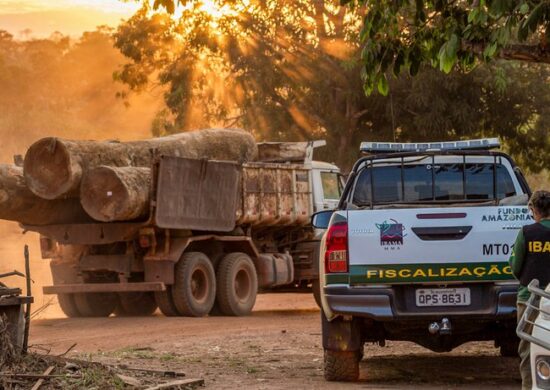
(96, 304)
(237, 284)
(136, 304)
(68, 305)
(194, 289)
(341, 366)
(165, 303)
(509, 348)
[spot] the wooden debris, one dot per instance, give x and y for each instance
(178, 384)
(165, 373)
(128, 380)
(41, 380)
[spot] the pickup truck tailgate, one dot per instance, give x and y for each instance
(433, 244)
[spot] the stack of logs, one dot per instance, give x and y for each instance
(65, 181)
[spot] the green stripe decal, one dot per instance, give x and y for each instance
(407, 273)
(337, 278)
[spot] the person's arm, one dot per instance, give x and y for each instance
(518, 255)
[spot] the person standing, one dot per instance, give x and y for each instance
(531, 260)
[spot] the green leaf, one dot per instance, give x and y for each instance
(447, 54)
(524, 9)
(383, 87)
(490, 50)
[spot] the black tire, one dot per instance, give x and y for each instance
(316, 288)
(166, 303)
(96, 304)
(509, 348)
(194, 289)
(68, 305)
(341, 366)
(136, 304)
(237, 284)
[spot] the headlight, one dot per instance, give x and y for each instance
(542, 372)
(543, 369)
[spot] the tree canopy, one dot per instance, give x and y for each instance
(291, 70)
(400, 36)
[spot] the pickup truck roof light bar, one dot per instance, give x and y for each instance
(395, 147)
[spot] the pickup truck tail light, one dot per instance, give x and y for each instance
(336, 254)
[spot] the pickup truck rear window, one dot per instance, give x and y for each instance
(429, 183)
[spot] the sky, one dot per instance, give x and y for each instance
(70, 17)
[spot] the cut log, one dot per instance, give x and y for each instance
(18, 203)
(53, 167)
(116, 193)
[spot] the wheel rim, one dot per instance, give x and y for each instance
(242, 285)
(199, 285)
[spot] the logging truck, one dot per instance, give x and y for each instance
(213, 234)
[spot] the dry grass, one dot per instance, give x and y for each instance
(8, 353)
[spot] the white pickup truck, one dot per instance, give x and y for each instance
(534, 326)
(417, 250)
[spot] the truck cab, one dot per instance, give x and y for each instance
(327, 185)
(417, 250)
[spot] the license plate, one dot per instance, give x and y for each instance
(443, 297)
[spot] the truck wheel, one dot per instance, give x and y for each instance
(341, 366)
(316, 287)
(136, 304)
(194, 289)
(509, 348)
(237, 284)
(165, 303)
(95, 304)
(68, 305)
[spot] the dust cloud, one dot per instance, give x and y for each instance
(60, 87)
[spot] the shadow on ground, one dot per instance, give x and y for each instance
(440, 369)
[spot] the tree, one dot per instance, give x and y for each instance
(291, 70)
(400, 36)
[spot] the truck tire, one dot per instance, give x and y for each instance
(341, 366)
(316, 288)
(95, 304)
(509, 348)
(237, 284)
(194, 289)
(136, 304)
(68, 305)
(165, 303)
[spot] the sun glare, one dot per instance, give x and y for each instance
(215, 10)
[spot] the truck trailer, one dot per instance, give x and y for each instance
(216, 234)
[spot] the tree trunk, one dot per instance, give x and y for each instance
(18, 203)
(53, 167)
(116, 193)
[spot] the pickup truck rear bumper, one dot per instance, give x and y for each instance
(387, 303)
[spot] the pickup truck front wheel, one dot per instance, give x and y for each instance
(341, 366)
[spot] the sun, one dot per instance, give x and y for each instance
(215, 10)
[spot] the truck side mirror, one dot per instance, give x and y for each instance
(321, 219)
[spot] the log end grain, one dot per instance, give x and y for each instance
(115, 193)
(49, 170)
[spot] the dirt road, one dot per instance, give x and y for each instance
(278, 347)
